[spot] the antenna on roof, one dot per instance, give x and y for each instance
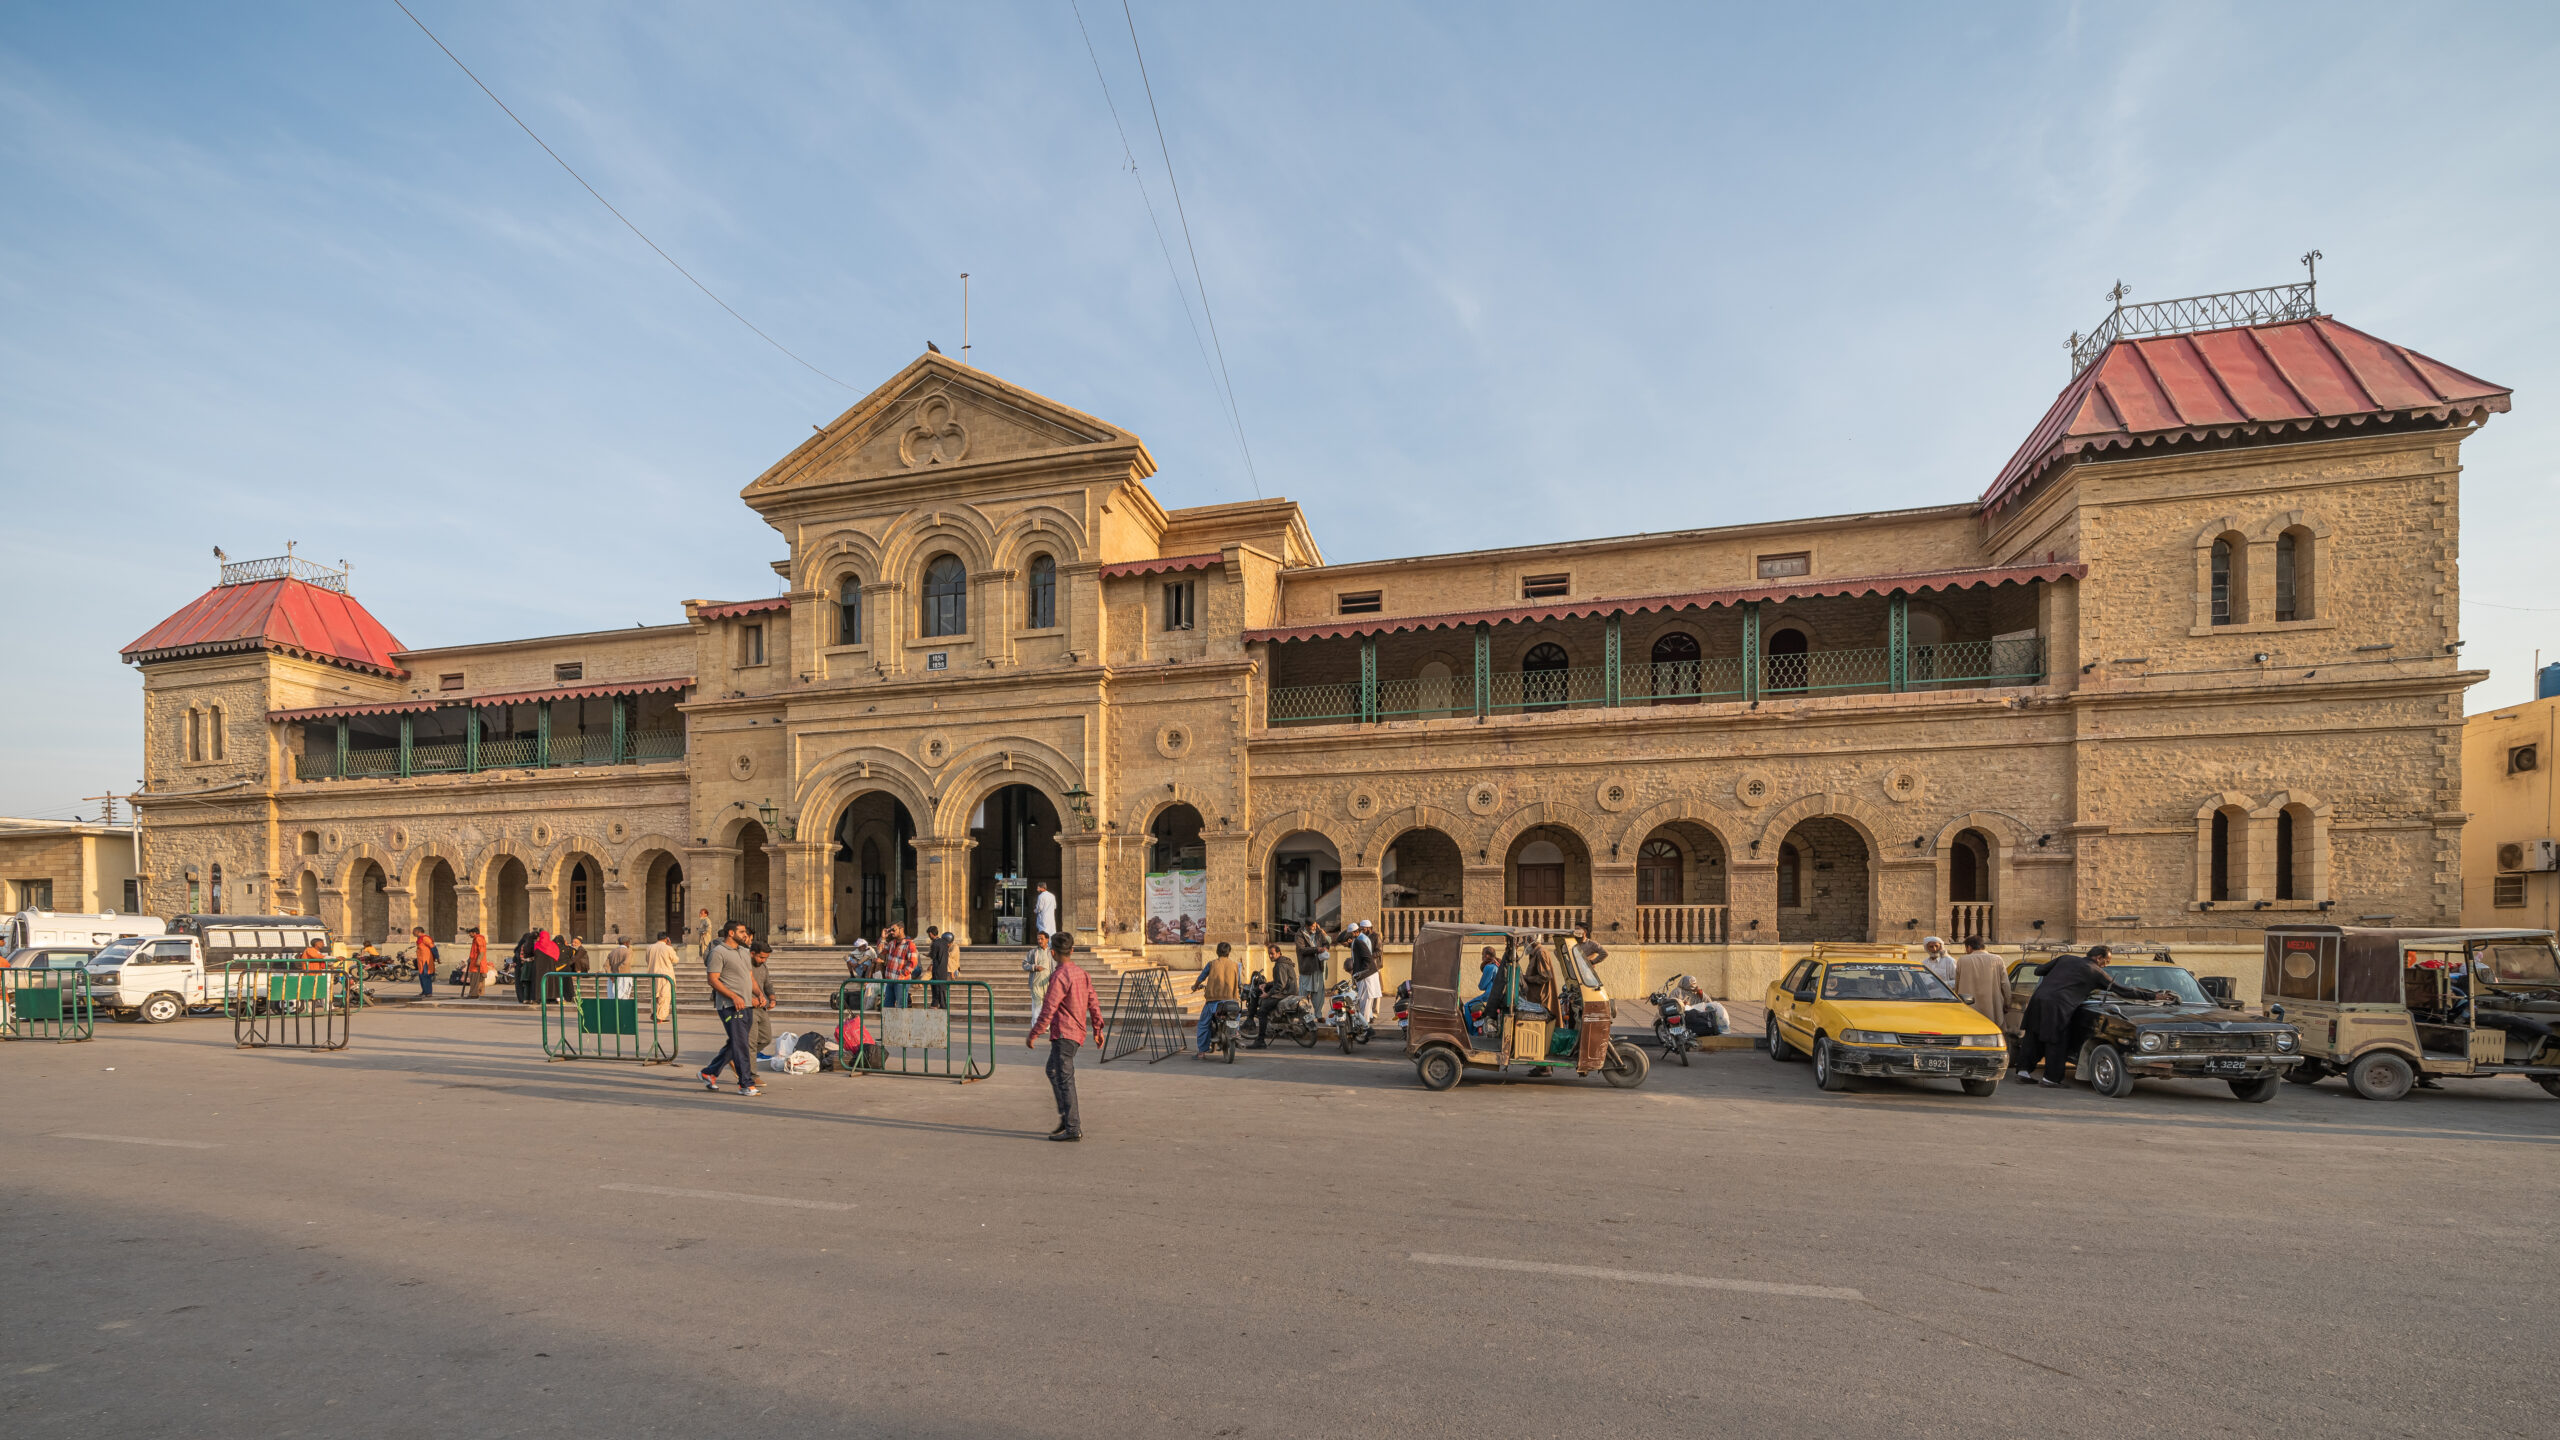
(2311, 262)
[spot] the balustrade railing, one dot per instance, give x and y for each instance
(1966, 917)
(1681, 924)
(1398, 926)
(1546, 917)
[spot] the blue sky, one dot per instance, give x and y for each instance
(1483, 274)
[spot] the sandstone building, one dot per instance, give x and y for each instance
(2190, 664)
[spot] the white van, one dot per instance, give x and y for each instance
(31, 928)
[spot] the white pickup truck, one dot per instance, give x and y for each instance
(164, 977)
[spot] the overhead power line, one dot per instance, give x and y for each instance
(608, 205)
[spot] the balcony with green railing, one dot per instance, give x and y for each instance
(1897, 667)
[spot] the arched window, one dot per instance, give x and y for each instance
(849, 610)
(1675, 673)
(2285, 855)
(946, 597)
(1040, 610)
(1790, 878)
(1786, 666)
(1546, 681)
(2296, 598)
(1658, 873)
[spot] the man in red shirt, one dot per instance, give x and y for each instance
(1072, 1016)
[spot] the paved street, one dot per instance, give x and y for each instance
(438, 1233)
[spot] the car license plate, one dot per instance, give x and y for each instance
(1930, 1062)
(2226, 1067)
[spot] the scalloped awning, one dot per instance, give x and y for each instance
(1915, 583)
(599, 690)
(2251, 380)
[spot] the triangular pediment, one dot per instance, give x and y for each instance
(938, 416)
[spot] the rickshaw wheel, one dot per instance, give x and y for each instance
(1439, 1068)
(1626, 1066)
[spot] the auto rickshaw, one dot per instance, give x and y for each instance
(1532, 1023)
(2385, 1006)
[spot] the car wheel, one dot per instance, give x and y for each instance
(2106, 1072)
(1439, 1068)
(1823, 1073)
(1779, 1049)
(1981, 1089)
(2257, 1091)
(1626, 1066)
(2309, 1072)
(2382, 1075)
(162, 1008)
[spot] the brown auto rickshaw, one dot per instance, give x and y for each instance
(1544, 1011)
(2383, 1007)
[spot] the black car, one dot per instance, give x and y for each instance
(2195, 1036)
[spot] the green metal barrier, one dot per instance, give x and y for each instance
(608, 1017)
(919, 1038)
(46, 1004)
(288, 1004)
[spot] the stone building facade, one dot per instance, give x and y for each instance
(2189, 665)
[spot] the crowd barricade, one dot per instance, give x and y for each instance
(951, 1040)
(46, 1004)
(608, 1017)
(288, 1004)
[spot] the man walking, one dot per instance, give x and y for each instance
(426, 963)
(1223, 979)
(731, 971)
(661, 962)
(1044, 912)
(1072, 1016)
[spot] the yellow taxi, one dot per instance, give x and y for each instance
(1873, 1010)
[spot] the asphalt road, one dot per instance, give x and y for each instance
(438, 1233)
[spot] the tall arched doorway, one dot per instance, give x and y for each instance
(1016, 852)
(1306, 883)
(874, 877)
(1177, 879)
(368, 904)
(1823, 885)
(508, 903)
(438, 908)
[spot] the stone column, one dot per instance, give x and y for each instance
(1613, 903)
(803, 912)
(942, 885)
(1481, 895)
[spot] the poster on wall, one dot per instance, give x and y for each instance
(1177, 907)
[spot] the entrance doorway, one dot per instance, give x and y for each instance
(874, 880)
(1016, 850)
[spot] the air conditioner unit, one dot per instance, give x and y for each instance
(2519, 857)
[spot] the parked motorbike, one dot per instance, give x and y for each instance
(1342, 1012)
(1227, 1031)
(1294, 1020)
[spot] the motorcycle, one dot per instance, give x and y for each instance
(1226, 1032)
(1342, 1012)
(1671, 1028)
(1295, 1019)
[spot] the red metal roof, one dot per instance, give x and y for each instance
(731, 609)
(1914, 583)
(291, 616)
(1123, 569)
(2249, 380)
(438, 702)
